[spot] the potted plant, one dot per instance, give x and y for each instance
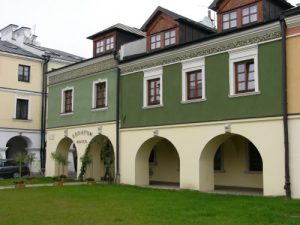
(90, 181)
(85, 161)
(61, 161)
(107, 157)
(20, 158)
(30, 159)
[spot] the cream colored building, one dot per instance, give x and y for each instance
(22, 67)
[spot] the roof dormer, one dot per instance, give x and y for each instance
(238, 13)
(111, 39)
(165, 28)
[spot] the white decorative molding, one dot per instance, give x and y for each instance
(189, 66)
(94, 93)
(62, 106)
(23, 97)
(242, 54)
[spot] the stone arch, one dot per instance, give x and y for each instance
(17, 144)
(66, 148)
(97, 168)
(236, 173)
(162, 167)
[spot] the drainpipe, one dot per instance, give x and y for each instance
(117, 179)
(287, 185)
(44, 111)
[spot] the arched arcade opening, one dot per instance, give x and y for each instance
(231, 162)
(15, 145)
(157, 163)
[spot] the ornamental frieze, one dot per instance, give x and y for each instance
(198, 51)
(83, 71)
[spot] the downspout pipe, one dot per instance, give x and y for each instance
(287, 185)
(44, 111)
(117, 179)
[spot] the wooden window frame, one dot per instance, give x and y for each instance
(163, 39)
(155, 36)
(100, 95)
(188, 83)
(230, 19)
(104, 39)
(156, 94)
(20, 110)
(68, 101)
(21, 76)
(170, 37)
(101, 46)
(249, 15)
(247, 64)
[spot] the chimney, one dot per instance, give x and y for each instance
(7, 33)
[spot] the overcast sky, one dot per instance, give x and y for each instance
(65, 24)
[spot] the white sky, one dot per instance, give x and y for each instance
(65, 24)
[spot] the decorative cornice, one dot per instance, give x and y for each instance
(82, 69)
(210, 47)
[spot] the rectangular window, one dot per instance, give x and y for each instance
(153, 91)
(255, 160)
(22, 109)
(230, 20)
(170, 37)
(249, 14)
(194, 85)
(24, 73)
(100, 95)
(68, 101)
(99, 46)
(155, 41)
(109, 43)
(244, 76)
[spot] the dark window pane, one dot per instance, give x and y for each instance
(22, 109)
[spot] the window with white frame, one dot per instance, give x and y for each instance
(153, 87)
(67, 100)
(243, 71)
(99, 94)
(22, 108)
(193, 80)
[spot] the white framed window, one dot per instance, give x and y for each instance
(193, 80)
(243, 71)
(67, 100)
(99, 95)
(22, 107)
(152, 90)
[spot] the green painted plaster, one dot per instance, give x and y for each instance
(218, 106)
(83, 113)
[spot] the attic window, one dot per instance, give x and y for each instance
(105, 45)
(170, 37)
(249, 14)
(229, 20)
(155, 41)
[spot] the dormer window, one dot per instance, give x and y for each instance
(230, 20)
(155, 41)
(105, 44)
(170, 37)
(249, 14)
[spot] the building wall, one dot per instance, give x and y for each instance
(196, 146)
(81, 141)
(218, 106)
(83, 113)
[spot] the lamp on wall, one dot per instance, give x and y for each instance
(228, 128)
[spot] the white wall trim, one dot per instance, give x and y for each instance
(24, 97)
(62, 106)
(189, 66)
(239, 55)
(150, 74)
(94, 93)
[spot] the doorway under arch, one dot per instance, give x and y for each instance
(16, 145)
(231, 162)
(157, 163)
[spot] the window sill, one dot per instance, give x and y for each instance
(24, 120)
(66, 114)
(99, 109)
(253, 172)
(153, 106)
(219, 171)
(244, 94)
(193, 101)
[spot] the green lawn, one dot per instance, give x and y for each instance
(116, 204)
(38, 180)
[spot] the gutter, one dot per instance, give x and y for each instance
(287, 185)
(44, 111)
(117, 178)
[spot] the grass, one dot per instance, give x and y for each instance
(117, 204)
(38, 180)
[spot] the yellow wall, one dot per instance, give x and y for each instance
(9, 73)
(293, 73)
